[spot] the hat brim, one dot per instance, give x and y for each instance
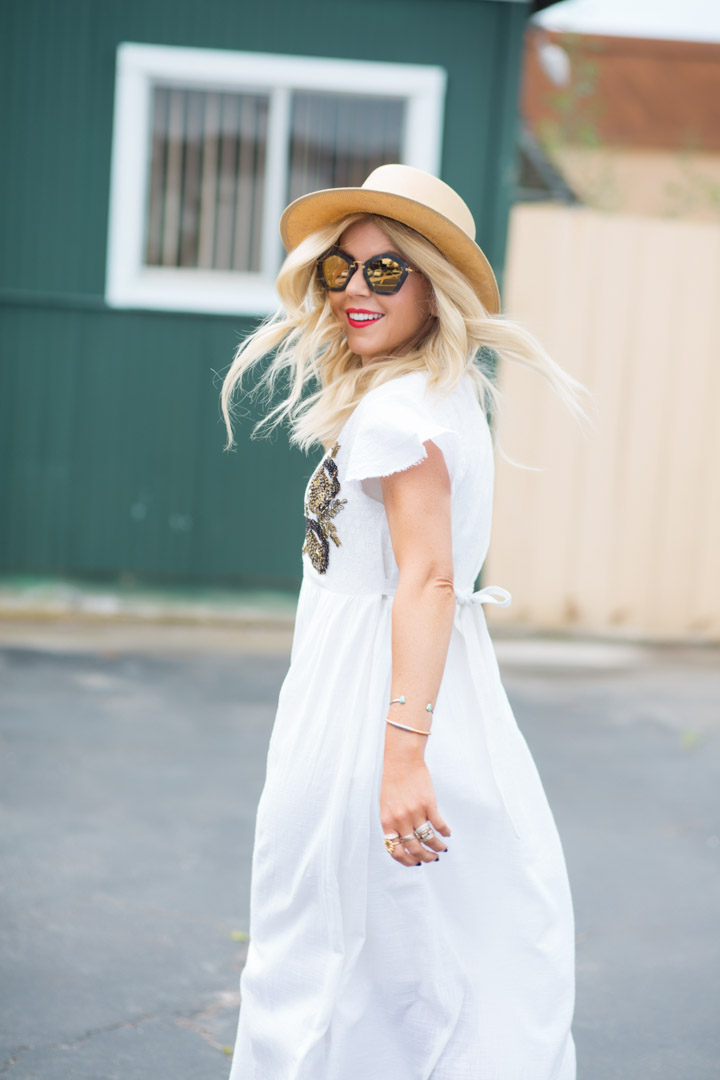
(321, 208)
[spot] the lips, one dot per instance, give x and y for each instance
(360, 318)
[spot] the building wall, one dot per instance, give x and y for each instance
(651, 183)
(112, 460)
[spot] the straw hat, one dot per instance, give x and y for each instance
(412, 197)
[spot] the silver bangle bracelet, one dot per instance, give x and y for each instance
(402, 700)
(404, 727)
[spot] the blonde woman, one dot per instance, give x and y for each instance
(410, 911)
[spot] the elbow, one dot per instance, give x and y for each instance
(431, 582)
(442, 586)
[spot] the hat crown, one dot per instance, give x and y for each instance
(423, 188)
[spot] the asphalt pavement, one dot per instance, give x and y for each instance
(132, 760)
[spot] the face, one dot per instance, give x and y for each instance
(378, 325)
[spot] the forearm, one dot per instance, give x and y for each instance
(418, 508)
(422, 618)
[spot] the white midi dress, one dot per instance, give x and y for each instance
(359, 968)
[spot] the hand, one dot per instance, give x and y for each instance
(407, 801)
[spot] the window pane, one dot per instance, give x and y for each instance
(207, 176)
(337, 139)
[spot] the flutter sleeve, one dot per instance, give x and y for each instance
(392, 424)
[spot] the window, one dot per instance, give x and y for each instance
(209, 146)
(206, 180)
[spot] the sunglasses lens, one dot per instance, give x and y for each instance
(384, 275)
(335, 271)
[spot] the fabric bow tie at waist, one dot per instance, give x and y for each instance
(491, 594)
(467, 604)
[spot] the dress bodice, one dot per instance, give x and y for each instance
(347, 542)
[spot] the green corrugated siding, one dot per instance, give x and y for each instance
(117, 461)
(105, 412)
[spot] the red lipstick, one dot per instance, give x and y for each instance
(361, 317)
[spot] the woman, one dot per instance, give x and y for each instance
(394, 746)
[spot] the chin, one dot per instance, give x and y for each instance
(367, 352)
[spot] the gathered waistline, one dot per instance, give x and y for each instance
(490, 594)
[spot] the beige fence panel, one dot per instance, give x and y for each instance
(620, 532)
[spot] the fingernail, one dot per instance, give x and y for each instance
(418, 864)
(444, 850)
(437, 860)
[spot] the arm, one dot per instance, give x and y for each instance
(417, 504)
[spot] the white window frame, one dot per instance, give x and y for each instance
(130, 283)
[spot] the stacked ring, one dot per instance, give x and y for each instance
(425, 832)
(391, 841)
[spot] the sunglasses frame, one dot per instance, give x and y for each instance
(355, 264)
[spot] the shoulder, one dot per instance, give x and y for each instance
(410, 388)
(412, 393)
(392, 422)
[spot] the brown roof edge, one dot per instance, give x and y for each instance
(625, 91)
(660, 48)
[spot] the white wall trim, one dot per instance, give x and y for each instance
(139, 67)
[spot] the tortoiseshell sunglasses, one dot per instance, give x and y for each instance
(384, 273)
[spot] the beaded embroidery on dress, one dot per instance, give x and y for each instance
(321, 502)
(359, 968)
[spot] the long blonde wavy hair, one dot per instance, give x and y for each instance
(323, 380)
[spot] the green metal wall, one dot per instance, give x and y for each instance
(111, 459)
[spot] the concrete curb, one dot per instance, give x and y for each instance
(65, 602)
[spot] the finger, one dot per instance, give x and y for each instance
(416, 848)
(436, 843)
(399, 854)
(429, 854)
(402, 855)
(423, 854)
(438, 821)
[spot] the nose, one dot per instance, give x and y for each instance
(357, 285)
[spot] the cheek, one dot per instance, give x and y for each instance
(424, 298)
(335, 301)
(415, 307)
